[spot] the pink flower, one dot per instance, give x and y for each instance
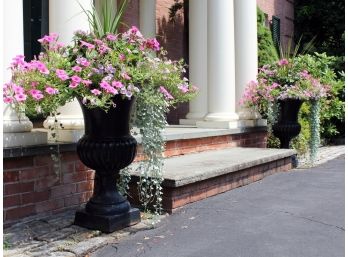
(121, 57)
(36, 94)
(283, 62)
(87, 82)
(166, 94)
(20, 97)
(104, 84)
(76, 79)
(18, 61)
(17, 89)
(83, 61)
(73, 85)
(48, 39)
(96, 92)
(111, 37)
(86, 44)
(62, 74)
(98, 41)
(40, 66)
(117, 84)
(184, 88)
(51, 90)
(76, 68)
(8, 99)
(152, 44)
(125, 76)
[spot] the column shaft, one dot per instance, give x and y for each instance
(245, 18)
(198, 60)
(221, 67)
(65, 17)
(147, 18)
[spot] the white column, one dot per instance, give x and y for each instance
(221, 66)
(147, 18)
(65, 17)
(198, 61)
(16, 129)
(245, 20)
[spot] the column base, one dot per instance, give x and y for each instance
(107, 224)
(231, 124)
(217, 124)
(188, 122)
(24, 138)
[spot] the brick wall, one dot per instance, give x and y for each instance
(33, 187)
(283, 9)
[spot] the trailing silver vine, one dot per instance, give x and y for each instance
(315, 130)
(151, 121)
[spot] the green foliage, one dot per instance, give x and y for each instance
(323, 20)
(333, 107)
(107, 21)
(267, 53)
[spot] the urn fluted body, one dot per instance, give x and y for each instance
(287, 126)
(107, 147)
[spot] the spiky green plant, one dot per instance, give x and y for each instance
(107, 20)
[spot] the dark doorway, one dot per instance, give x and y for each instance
(35, 25)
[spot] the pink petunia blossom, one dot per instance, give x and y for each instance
(36, 94)
(62, 74)
(96, 92)
(283, 62)
(86, 44)
(111, 37)
(51, 91)
(87, 82)
(121, 57)
(8, 99)
(20, 97)
(117, 84)
(17, 89)
(166, 94)
(76, 68)
(83, 61)
(184, 88)
(76, 79)
(125, 76)
(153, 44)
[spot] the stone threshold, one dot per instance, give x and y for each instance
(194, 177)
(172, 134)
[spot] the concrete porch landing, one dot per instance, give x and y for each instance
(193, 177)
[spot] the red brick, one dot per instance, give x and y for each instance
(49, 205)
(74, 177)
(67, 167)
(44, 183)
(63, 190)
(20, 212)
(79, 166)
(34, 173)
(11, 176)
(90, 174)
(35, 197)
(18, 163)
(16, 188)
(84, 186)
(43, 160)
(69, 157)
(75, 199)
(12, 200)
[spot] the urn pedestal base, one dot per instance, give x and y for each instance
(107, 224)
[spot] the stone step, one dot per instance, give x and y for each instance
(193, 177)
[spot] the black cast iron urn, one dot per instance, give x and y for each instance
(107, 147)
(287, 126)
